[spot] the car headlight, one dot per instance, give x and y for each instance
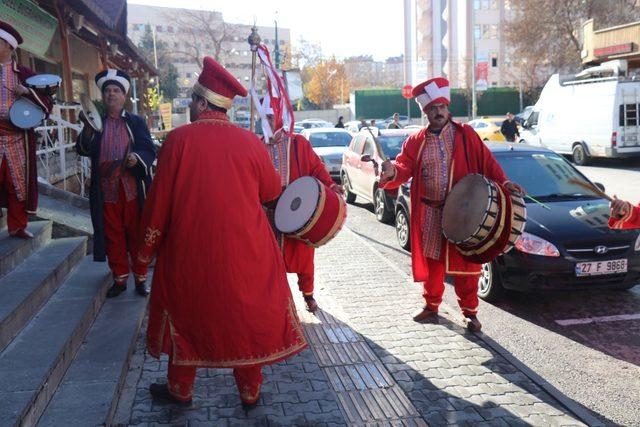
(530, 244)
(636, 247)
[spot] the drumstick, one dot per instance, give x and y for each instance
(591, 187)
(538, 202)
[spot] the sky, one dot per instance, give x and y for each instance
(342, 27)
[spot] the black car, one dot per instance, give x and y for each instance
(567, 244)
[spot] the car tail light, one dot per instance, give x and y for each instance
(614, 139)
(530, 244)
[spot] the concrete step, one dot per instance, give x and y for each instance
(89, 391)
(31, 283)
(14, 250)
(34, 363)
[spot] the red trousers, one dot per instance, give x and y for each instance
(17, 210)
(466, 288)
(121, 226)
(182, 378)
(305, 279)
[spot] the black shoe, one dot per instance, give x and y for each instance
(161, 392)
(142, 289)
(116, 289)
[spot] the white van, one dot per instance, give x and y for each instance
(595, 113)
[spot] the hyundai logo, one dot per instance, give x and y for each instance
(601, 250)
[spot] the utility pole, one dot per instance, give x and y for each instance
(277, 49)
(155, 60)
(474, 100)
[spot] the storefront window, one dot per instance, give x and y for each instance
(80, 85)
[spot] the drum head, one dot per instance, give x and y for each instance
(42, 81)
(25, 114)
(91, 112)
(297, 204)
(465, 207)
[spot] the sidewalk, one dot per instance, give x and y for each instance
(368, 363)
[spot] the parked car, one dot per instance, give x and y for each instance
(314, 123)
(404, 121)
(353, 126)
(488, 129)
(329, 144)
(591, 114)
(566, 245)
(360, 164)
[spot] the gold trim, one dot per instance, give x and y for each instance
(214, 98)
(151, 235)
(296, 347)
(316, 215)
(498, 232)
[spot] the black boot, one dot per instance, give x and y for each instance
(161, 392)
(142, 288)
(116, 289)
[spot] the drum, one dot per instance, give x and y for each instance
(309, 211)
(482, 218)
(91, 112)
(470, 211)
(49, 83)
(24, 114)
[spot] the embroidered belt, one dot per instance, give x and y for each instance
(432, 203)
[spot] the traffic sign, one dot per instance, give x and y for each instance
(406, 91)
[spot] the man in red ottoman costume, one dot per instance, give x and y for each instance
(437, 158)
(220, 296)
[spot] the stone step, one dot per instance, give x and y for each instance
(14, 250)
(34, 363)
(30, 284)
(89, 391)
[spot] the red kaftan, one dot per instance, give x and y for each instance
(470, 155)
(220, 296)
(631, 220)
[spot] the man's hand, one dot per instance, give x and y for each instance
(514, 188)
(132, 160)
(20, 91)
(388, 171)
(87, 129)
(619, 208)
(338, 189)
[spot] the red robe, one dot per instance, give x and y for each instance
(46, 103)
(629, 221)
(220, 296)
(303, 161)
(476, 158)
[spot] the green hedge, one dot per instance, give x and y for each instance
(381, 103)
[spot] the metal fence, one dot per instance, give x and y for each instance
(58, 162)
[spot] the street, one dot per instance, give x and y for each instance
(595, 362)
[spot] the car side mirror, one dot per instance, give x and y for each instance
(600, 186)
(366, 158)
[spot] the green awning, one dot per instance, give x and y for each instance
(36, 26)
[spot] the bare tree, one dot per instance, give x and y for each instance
(206, 34)
(546, 35)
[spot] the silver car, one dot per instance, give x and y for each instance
(329, 144)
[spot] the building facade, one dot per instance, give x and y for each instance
(443, 36)
(607, 44)
(192, 34)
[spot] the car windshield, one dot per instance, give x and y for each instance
(391, 145)
(329, 139)
(545, 176)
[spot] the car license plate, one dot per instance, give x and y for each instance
(599, 268)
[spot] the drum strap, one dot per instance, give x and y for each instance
(294, 142)
(432, 203)
(464, 144)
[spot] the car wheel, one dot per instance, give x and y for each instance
(580, 156)
(381, 206)
(402, 229)
(489, 286)
(346, 185)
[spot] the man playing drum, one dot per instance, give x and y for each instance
(220, 294)
(436, 158)
(121, 157)
(293, 157)
(18, 175)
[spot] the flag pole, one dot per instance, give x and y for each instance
(254, 41)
